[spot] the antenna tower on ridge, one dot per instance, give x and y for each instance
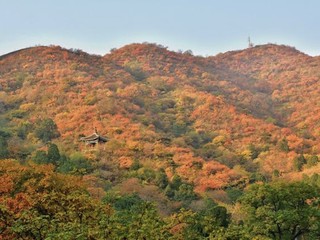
(250, 44)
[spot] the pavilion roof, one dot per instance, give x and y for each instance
(94, 137)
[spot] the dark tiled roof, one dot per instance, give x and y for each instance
(94, 137)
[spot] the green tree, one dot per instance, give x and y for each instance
(162, 179)
(283, 145)
(193, 139)
(76, 164)
(314, 179)
(135, 218)
(282, 211)
(234, 194)
(209, 222)
(312, 161)
(146, 174)
(135, 165)
(298, 162)
(71, 215)
(135, 69)
(144, 223)
(126, 202)
(4, 152)
(254, 151)
(40, 157)
(53, 154)
(176, 182)
(46, 130)
(185, 193)
(168, 191)
(23, 129)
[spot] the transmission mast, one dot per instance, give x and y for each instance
(250, 44)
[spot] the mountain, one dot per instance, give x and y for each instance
(216, 122)
(287, 74)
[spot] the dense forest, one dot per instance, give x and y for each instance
(218, 147)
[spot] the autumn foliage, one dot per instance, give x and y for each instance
(180, 127)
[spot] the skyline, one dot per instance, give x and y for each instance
(205, 27)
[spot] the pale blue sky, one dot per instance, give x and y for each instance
(207, 27)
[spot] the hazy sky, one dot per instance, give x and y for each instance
(207, 27)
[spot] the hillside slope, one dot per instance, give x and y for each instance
(215, 122)
(291, 77)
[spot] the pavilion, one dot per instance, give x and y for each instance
(94, 139)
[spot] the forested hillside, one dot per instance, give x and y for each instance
(198, 147)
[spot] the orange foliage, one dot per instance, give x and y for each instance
(254, 96)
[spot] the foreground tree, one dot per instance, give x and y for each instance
(135, 219)
(282, 211)
(209, 223)
(38, 203)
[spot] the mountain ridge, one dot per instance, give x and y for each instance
(220, 113)
(147, 46)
